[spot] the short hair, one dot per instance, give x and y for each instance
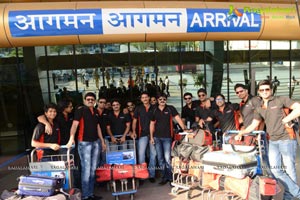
(90, 94)
(102, 97)
(265, 82)
(50, 105)
(115, 100)
(144, 92)
(202, 90)
(187, 94)
(221, 95)
(162, 95)
(63, 104)
(240, 85)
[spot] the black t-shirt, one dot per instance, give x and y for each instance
(226, 118)
(65, 124)
(103, 121)
(164, 121)
(143, 116)
(88, 121)
(40, 136)
(118, 123)
(189, 113)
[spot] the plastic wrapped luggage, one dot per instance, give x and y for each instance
(39, 186)
(234, 164)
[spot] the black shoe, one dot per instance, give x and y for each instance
(141, 182)
(163, 182)
(96, 198)
(152, 180)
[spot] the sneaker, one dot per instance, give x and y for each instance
(152, 180)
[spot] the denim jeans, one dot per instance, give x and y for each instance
(285, 151)
(163, 150)
(89, 153)
(143, 143)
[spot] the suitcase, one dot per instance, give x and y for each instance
(39, 186)
(233, 164)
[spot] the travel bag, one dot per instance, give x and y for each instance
(234, 164)
(39, 185)
(109, 172)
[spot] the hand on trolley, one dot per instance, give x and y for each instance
(54, 146)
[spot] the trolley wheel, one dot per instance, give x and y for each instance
(174, 190)
(131, 196)
(188, 194)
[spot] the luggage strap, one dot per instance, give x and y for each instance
(239, 151)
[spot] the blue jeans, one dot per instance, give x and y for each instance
(89, 153)
(285, 151)
(142, 147)
(163, 150)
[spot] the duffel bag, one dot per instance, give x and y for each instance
(141, 171)
(238, 186)
(247, 140)
(185, 150)
(114, 172)
(195, 169)
(198, 152)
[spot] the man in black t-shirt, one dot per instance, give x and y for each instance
(141, 123)
(89, 143)
(161, 134)
(41, 139)
(118, 124)
(188, 111)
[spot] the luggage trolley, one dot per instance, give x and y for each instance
(58, 165)
(185, 180)
(118, 154)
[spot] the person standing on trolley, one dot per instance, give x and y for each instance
(90, 142)
(161, 135)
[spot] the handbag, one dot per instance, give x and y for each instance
(247, 140)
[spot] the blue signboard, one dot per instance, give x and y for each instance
(30, 23)
(222, 20)
(55, 22)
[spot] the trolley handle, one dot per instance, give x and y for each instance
(118, 137)
(61, 147)
(252, 133)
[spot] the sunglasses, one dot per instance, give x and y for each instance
(186, 98)
(241, 91)
(201, 95)
(162, 99)
(90, 99)
(219, 99)
(266, 89)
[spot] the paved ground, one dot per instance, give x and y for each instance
(147, 191)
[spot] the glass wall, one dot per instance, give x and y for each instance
(124, 70)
